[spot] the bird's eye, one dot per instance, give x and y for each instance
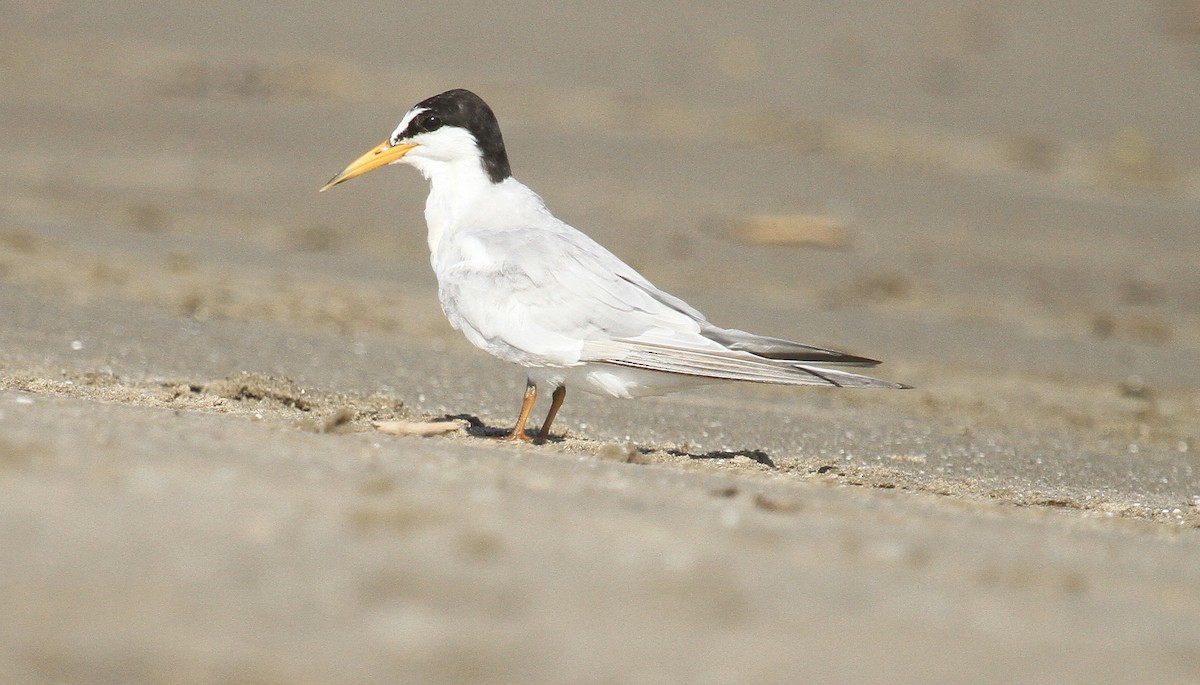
(431, 122)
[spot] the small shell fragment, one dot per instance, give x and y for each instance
(421, 428)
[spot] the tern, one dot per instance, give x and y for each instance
(530, 289)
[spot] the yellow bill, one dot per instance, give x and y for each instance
(380, 155)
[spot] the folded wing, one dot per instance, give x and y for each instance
(562, 299)
(721, 364)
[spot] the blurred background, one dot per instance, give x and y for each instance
(1000, 200)
(986, 181)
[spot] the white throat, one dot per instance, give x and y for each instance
(455, 189)
(449, 159)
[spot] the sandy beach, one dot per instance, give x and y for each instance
(196, 348)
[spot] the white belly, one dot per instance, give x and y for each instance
(615, 381)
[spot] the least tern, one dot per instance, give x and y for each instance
(534, 291)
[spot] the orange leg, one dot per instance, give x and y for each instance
(518, 431)
(556, 400)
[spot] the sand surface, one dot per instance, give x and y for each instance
(195, 347)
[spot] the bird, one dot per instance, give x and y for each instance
(532, 290)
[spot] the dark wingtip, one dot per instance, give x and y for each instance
(821, 358)
(855, 360)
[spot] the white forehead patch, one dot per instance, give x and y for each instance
(405, 122)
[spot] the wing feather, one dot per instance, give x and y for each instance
(555, 297)
(723, 364)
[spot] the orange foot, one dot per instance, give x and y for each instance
(518, 436)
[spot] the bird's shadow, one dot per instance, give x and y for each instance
(476, 428)
(755, 455)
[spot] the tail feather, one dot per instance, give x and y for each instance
(734, 365)
(780, 349)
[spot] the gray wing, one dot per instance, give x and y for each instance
(575, 301)
(724, 365)
(542, 293)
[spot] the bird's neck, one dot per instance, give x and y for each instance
(455, 189)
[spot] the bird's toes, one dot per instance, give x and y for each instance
(517, 436)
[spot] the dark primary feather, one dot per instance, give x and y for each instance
(733, 366)
(780, 349)
(760, 345)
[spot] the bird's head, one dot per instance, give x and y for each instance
(455, 127)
